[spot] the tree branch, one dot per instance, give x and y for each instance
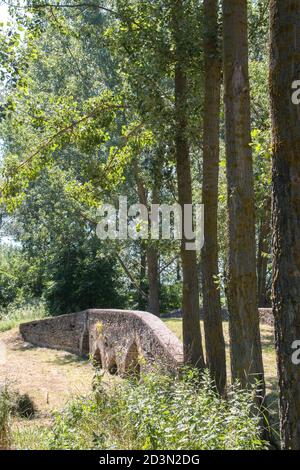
(133, 281)
(125, 269)
(39, 6)
(168, 264)
(60, 132)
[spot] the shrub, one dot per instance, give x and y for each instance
(159, 412)
(23, 406)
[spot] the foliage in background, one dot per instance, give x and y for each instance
(88, 93)
(15, 313)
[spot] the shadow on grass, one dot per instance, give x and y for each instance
(64, 357)
(273, 409)
(67, 359)
(20, 345)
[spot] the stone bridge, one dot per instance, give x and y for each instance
(121, 341)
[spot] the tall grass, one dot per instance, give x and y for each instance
(12, 404)
(157, 412)
(14, 314)
(5, 417)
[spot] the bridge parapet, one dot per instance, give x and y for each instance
(121, 341)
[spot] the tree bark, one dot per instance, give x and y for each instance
(284, 69)
(245, 344)
(192, 344)
(214, 338)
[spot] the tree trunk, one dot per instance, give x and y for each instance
(284, 69)
(141, 298)
(192, 344)
(178, 271)
(152, 256)
(263, 250)
(214, 339)
(245, 344)
(153, 280)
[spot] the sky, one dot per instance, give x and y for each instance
(3, 13)
(3, 19)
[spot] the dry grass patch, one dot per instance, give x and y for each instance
(48, 376)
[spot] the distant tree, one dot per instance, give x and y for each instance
(263, 250)
(66, 263)
(151, 251)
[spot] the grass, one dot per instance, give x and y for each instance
(269, 360)
(12, 404)
(5, 418)
(155, 413)
(268, 347)
(30, 437)
(50, 377)
(13, 315)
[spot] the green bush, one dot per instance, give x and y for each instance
(158, 412)
(170, 297)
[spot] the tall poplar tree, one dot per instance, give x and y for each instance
(245, 349)
(284, 70)
(214, 339)
(192, 344)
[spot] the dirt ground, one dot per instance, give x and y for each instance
(49, 377)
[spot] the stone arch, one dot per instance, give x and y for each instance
(97, 358)
(84, 343)
(112, 365)
(132, 363)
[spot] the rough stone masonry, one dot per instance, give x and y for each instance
(121, 341)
